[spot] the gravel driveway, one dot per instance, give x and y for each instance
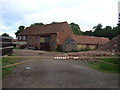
(49, 73)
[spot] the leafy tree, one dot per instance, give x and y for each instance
(116, 31)
(20, 28)
(88, 33)
(53, 22)
(36, 24)
(98, 31)
(75, 28)
(107, 32)
(5, 35)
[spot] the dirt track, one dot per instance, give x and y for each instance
(49, 73)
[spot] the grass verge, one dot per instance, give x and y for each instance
(7, 61)
(80, 50)
(107, 67)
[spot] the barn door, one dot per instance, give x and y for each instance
(45, 43)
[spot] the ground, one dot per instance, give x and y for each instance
(50, 73)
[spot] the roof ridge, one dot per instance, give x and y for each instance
(55, 23)
(47, 24)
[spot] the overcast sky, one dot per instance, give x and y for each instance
(86, 13)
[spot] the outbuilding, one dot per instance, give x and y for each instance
(78, 42)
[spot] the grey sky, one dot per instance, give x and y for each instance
(86, 13)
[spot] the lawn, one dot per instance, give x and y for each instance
(6, 61)
(107, 67)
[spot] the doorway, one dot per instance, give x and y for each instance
(45, 43)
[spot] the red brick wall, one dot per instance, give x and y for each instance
(53, 41)
(34, 40)
(64, 33)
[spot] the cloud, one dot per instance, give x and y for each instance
(86, 13)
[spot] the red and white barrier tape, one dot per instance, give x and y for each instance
(66, 57)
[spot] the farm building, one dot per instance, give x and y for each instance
(52, 36)
(77, 42)
(46, 37)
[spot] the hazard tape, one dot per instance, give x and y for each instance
(66, 57)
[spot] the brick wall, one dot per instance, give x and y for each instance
(53, 41)
(34, 40)
(64, 33)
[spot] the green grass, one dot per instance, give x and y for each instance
(111, 60)
(7, 61)
(107, 67)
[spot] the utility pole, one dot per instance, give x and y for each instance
(118, 13)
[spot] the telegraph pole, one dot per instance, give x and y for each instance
(118, 13)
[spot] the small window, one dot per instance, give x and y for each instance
(53, 44)
(20, 38)
(24, 37)
(42, 40)
(69, 41)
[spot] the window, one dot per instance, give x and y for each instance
(19, 37)
(69, 41)
(42, 39)
(53, 44)
(24, 37)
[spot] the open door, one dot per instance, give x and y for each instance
(45, 43)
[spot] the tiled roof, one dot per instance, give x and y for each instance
(42, 29)
(89, 39)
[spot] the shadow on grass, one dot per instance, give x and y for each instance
(107, 67)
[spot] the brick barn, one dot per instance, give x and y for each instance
(77, 42)
(46, 37)
(52, 36)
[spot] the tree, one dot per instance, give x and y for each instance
(5, 35)
(75, 28)
(107, 32)
(116, 31)
(36, 24)
(88, 33)
(98, 31)
(20, 28)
